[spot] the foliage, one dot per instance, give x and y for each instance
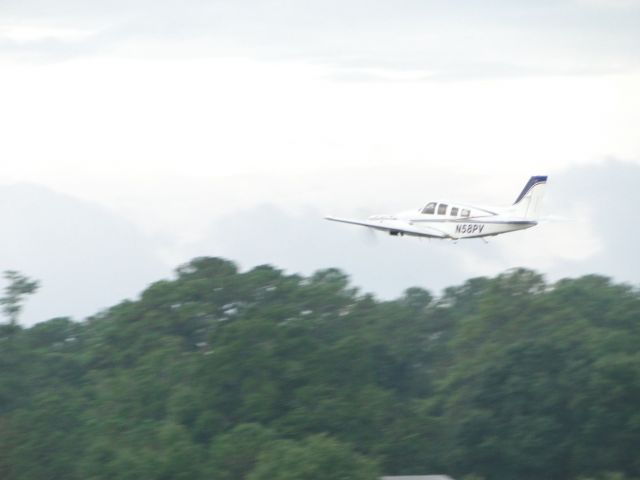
(221, 374)
(314, 458)
(17, 288)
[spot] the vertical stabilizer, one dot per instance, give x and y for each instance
(528, 203)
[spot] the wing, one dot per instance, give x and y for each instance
(395, 226)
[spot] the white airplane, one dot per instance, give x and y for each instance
(454, 221)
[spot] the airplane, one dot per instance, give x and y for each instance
(456, 221)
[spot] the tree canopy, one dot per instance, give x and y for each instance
(18, 286)
(222, 374)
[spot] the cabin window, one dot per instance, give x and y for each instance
(465, 212)
(430, 208)
(442, 209)
(454, 211)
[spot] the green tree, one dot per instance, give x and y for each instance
(18, 287)
(206, 374)
(316, 458)
(234, 454)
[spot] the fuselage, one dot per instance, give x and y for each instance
(459, 221)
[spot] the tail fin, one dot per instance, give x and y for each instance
(528, 203)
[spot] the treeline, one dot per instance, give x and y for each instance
(260, 375)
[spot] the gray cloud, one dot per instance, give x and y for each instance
(605, 194)
(610, 190)
(89, 258)
(85, 257)
(303, 243)
(450, 40)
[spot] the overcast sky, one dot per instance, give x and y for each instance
(229, 128)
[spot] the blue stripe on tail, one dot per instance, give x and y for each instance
(533, 181)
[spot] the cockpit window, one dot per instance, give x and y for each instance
(442, 209)
(429, 208)
(465, 212)
(454, 211)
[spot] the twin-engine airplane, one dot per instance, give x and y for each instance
(454, 221)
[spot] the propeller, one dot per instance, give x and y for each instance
(370, 236)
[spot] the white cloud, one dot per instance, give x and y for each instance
(109, 129)
(573, 238)
(451, 40)
(34, 33)
(174, 114)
